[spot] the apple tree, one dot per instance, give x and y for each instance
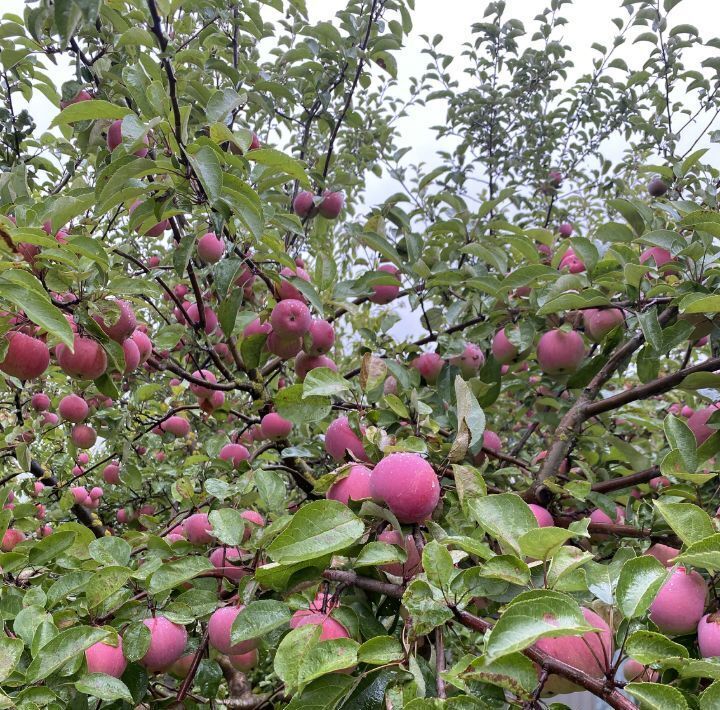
(268, 443)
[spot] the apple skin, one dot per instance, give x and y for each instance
(304, 363)
(560, 352)
(470, 360)
(157, 229)
(386, 293)
(210, 248)
(663, 553)
(687, 412)
(123, 326)
(544, 519)
(197, 529)
(81, 95)
(104, 658)
(257, 328)
(73, 408)
(286, 290)
(304, 204)
(598, 322)
(708, 636)
(273, 426)
(114, 139)
(565, 229)
(331, 204)
(244, 662)
(340, 438)
(88, 362)
(83, 436)
(200, 391)
(589, 652)
(503, 350)
(680, 603)
(657, 187)
(290, 319)
(490, 441)
(413, 563)
(236, 453)
(40, 402)
(697, 423)
(211, 320)
(429, 365)
(131, 353)
(26, 357)
(320, 338)
(355, 486)
(224, 558)
(284, 348)
(634, 671)
(111, 473)
(331, 629)
(408, 485)
(10, 538)
(144, 344)
(179, 427)
(572, 262)
(167, 643)
(219, 627)
(657, 254)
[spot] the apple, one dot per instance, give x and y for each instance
(470, 360)
(290, 318)
(708, 636)
(167, 643)
(219, 627)
(124, 324)
(492, 442)
(87, 362)
(157, 229)
(224, 558)
(111, 473)
(408, 485)
(634, 671)
(663, 553)
(355, 486)
(286, 290)
(503, 350)
(657, 187)
(304, 204)
(331, 204)
(572, 262)
(698, 423)
(26, 357)
(320, 338)
(386, 293)
(244, 662)
(658, 255)
(197, 529)
(200, 391)
(81, 95)
(304, 363)
(284, 348)
(114, 139)
(83, 436)
(40, 402)
(544, 519)
(590, 652)
(101, 657)
(177, 426)
(340, 438)
(560, 352)
(257, 328)
(236, 453)
(211, 320)
(598, 322)
(331, 629)
(413, 563)
(210, 248)
(10, 538)
(429, 365)
(273, 426)
(680, 603)
(565, 229)
(73, 408)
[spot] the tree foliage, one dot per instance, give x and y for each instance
(226, 479)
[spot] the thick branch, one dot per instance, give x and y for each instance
(366, 583)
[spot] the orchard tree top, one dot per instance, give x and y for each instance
(225, 482)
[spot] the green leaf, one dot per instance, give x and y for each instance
(317, 529)
(89, 111)
(39, 310)
(710, 698)
(426, 606)
(104, 687)
(705, 554)
(10, 652)
(291, 403)
(221, 103)
(105, 583)
(280, 162)
(375, 554)
(228, 526)
(258, 619)
(653, 696)
(505, 516)
(62, 648)
(681, 439)
(650, 647)
(565, 561)
(639, 582)
(182, 252)
(49, 548)
(545, 615)
(174, 573)
(438, 564)
(206, 165)
(380, 650)
(690, 523)
(322, 694)
(324, 382)
(471, 420)
(514, 672)
(652, 330)
(541, 544)
(110, 551)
